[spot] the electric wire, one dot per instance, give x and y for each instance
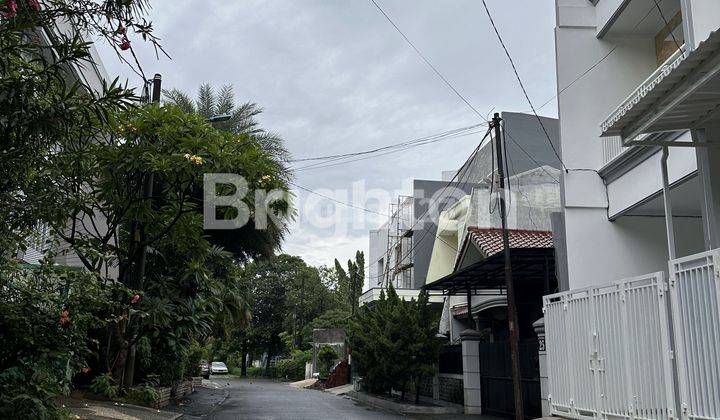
(340, 161)
(425, 59)
(522, 85)
(378, 149)
(430, 205)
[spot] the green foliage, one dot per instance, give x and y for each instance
(196, 353)
(143, 394)
(255, 372)
(393, 342)
(104, 386)
(326, 357)
(48, 320)
(350, 282)
(294, 367)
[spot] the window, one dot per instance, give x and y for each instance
(669, 39)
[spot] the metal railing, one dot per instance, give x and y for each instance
(695, 297)
(608, 351)
(612, 147)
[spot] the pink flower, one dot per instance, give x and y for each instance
(34, 4)
(135, 299)
(85, 370)
(11, 6)
(125, 45)
(64, 317)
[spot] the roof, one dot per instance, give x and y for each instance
(490, 240)
(532, 256)
(679, 95)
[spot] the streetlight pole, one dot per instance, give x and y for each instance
(138, 277)
(509, 285)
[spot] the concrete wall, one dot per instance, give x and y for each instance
(598, 250)
(378, 247)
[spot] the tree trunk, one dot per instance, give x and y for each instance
(417, 390)
(243, 368)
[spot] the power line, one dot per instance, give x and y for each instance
(330, 163)
(667, 25)
(539, 165)
(337, 201)
(522, 85)
(404, 143)
(417, 219)
(422, 56)
(597, 63)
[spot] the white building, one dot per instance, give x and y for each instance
(91, 75)
(638, 334)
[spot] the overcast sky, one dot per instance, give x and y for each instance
(334, 76)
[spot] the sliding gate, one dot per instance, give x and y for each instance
(608, 351)
(695, 294)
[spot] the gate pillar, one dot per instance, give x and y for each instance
(471, 371)
(539, 327)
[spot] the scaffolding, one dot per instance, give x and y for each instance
(398, 269)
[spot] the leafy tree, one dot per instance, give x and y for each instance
(393, 342)
(242, 121)
(45, 105)
(350, 282)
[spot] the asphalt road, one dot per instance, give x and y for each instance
(262, 399)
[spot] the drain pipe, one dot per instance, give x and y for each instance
(668, 204)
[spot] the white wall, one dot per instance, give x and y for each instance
(600, 251)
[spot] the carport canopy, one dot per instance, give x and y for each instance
(531, 267)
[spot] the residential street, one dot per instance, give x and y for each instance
(263, 399)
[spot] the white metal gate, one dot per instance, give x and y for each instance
(608, 351)
(695, 297)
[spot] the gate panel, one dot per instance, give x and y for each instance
(613, 359)
(695, 295)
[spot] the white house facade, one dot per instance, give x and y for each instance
(637, 335)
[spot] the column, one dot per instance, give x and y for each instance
(471, 371)
(539, 327)
(708, 161)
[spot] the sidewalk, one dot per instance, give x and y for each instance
(103, 410)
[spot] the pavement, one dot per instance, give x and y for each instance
(80, 408)
(233, 398)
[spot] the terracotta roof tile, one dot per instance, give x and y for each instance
(490, 241)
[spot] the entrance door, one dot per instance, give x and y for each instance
(496, 385)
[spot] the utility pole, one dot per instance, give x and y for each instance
(512, 309)
(138, 273)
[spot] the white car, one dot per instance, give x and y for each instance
(218, 367)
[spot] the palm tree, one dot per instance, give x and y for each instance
(247, 242)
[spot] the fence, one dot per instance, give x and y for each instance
(450, 360)
(695, 293)
(609, 351)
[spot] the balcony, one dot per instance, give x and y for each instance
(681, 94)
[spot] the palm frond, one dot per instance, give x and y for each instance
(206, 102)
(180, 99)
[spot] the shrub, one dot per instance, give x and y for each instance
(47, 316)
(254, 372)
(326, 357)
(294, 367)
(144, 394)
(104, 386)
(195, 355)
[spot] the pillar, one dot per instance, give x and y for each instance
(708, 162)
(471, 371)
(539, 327)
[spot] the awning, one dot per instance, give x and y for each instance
(682, 94)
(529, 265)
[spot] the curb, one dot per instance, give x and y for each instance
(399, 407)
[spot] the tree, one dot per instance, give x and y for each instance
(393, 342)
(46, 106)
(351, 282)
(262, 243)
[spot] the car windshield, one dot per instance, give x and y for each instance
(218, 364)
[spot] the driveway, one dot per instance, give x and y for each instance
(263, 399)
(233, 398)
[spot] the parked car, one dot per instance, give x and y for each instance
(218, 368)
(205, 369)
